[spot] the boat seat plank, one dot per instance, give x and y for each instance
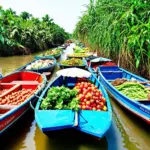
(112, 71)
(10, 90)
(47, 73)
(25, 82)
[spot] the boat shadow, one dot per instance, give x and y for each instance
(17, 132)
(71, 139)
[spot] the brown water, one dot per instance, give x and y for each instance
(126, 133)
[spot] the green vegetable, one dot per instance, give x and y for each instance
(60, 98)
(72, 62)
(133, 90)
(79, 55)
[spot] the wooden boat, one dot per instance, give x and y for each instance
(95, 123)
(45, 70)
(108, 74)
(11, 111)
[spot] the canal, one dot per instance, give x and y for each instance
(126, 133)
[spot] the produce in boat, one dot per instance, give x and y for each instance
(134, 91)
(16, 98)
(60, 98)
(53, 52)
(90, 97)
(79, 55)
(40, 64)
(72, 62)
(78, 49)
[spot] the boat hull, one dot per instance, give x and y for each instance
(9, 114)
(40, 70)
(62, 119)
(142, 110)
(13, 117)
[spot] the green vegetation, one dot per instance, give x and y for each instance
(119, 30)
(24, 34)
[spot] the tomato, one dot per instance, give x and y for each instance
(83, 107)
(87, 102)
(94, 108)
(103, 99)
(101, 103)
(98, 106)
(91, 101)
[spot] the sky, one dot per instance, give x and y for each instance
(64, 12)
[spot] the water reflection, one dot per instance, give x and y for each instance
(74, 140)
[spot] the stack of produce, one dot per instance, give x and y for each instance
(60, 98)
(134, 91)
(40, 64)
(80, 50)
(16, 98)
(80, 55)
(53, 52)
(90, 97)
(72, 62)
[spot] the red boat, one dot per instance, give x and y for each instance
(17, 90)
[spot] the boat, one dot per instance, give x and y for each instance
(140, 108)
(28, 82)
(45, 70)
(95, 123)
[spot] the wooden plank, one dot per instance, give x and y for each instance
(10, 90)
(25, 82)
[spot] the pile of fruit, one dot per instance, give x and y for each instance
(40, 64)
(60, 98)
(90, 97)
(80, 55)
(53, 52)
(2, 91)
(16, 98)
(72, 62)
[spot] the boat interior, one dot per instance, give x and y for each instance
(113, 72)
(13, 83)
(70, 83)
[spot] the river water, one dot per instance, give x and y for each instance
(127, 132)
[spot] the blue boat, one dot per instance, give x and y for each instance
(138, 107)
(95, 123)
(50, 68)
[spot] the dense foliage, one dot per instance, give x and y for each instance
(24, 34)
(119, 30)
